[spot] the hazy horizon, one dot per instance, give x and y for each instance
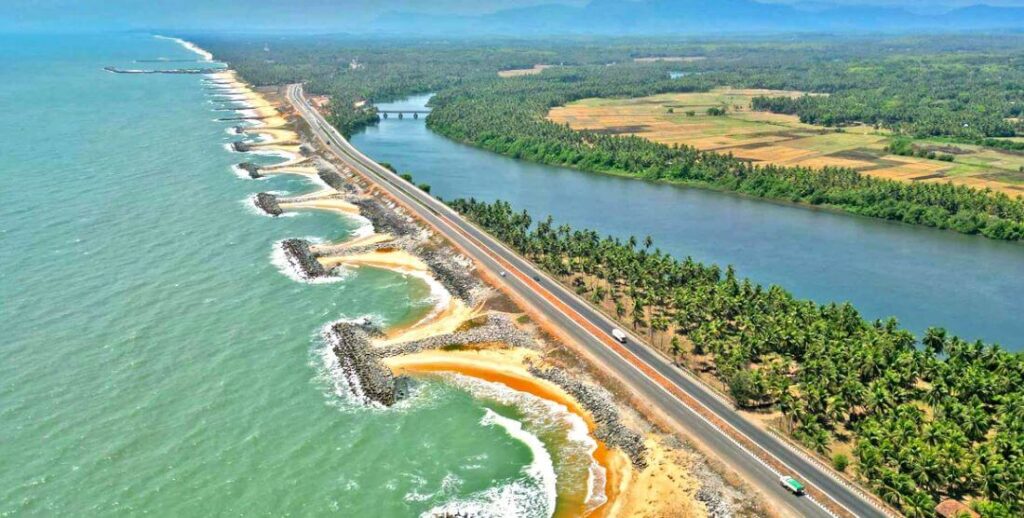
(354, 16)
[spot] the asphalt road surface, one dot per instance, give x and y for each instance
(590, 329)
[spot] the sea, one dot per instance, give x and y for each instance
(159, 359)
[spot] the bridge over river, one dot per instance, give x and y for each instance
(401, 113)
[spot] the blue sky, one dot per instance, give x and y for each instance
(72, 15)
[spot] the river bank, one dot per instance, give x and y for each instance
(883, 268)
(489, 346)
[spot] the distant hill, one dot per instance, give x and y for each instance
(699, 17)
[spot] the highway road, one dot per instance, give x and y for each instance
(756, 454)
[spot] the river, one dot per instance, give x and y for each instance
(924, 277)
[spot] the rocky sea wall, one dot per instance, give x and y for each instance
(601, 406)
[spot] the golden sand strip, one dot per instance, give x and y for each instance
(640, 490)
(307, 171)
(276, 136)
(447, 320)
(506, 367)
(334, 204)
(397, 260)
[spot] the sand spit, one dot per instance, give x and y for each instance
(632, 474)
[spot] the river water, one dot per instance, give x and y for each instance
(155, 360)
(924, 277)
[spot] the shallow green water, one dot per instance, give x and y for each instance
(155, 360)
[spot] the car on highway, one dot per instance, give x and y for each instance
(792, 485)
(618, 335)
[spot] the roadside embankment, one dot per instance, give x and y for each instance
(463, 333)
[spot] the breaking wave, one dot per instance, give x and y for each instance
(280, 260)
(535, 494)
(532, 496)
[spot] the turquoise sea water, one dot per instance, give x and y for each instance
(155, 361)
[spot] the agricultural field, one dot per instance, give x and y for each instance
(516, 72)
(782, 139)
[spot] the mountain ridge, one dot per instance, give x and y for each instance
(697, 17)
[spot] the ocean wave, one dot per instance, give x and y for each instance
(439, 296)
(280, 260)
(243, 174)
(549, 418)
(365, 227)
(533, 496)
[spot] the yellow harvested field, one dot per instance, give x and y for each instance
(673, 59)
(764, 137)
(819, 162)
(515, 72)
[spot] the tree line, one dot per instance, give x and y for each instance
(939, 418)
(508, 117)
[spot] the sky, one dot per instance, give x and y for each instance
(341, 15)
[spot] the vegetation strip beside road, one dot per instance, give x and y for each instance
(923, 423)
(769, 461)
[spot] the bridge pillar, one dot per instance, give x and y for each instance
(385, 115)
(399, 115)
(415, 115)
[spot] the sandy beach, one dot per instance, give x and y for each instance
(506, 366)
(332, 204)
(630, 492)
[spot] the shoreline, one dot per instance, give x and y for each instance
(394, 241)
(505, 367)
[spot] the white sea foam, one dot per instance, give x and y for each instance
(344, 382)
(284, 265)
(439, 296)
(365, 227)
(241, 173)
(188, 45)
(552, 417)
(533, 496)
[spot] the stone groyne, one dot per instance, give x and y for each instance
(599, 403)
(252, 169)
(454, 272)
(268, 203)
(299, 255)
(241, 146)
(366, 376)
(496, 329)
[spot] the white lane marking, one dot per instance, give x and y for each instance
(331, 133)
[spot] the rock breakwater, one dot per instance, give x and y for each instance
(366, 376)
(268, 203)
(252, 169)
(385, 219)
(298, 254)
(496, 329)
